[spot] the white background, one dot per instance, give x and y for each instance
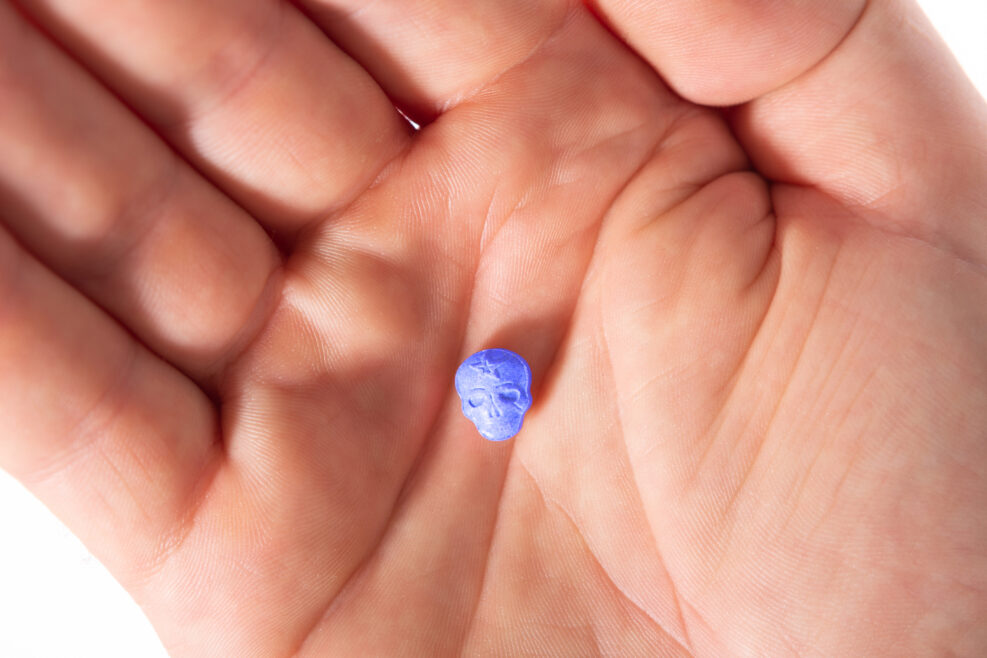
(56, 600)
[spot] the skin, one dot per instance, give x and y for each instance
(235, 286)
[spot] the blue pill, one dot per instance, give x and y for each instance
(495, 388)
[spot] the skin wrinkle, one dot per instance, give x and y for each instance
(686, 641)
(325, 612)
(729, 388)
(653, 153)
(884, 222)
(835, 389)
(693, 480)
(951, 251)
(731, 383)
(699, 187)
(273, 35)
(823, 449)
(484, 578)
(727, 529)
(110, 463)
(290, 151)
(268, 302)
(731, 501)
(434, 111)
(549, 503)
(85, 430)
(173, 542)
(310, 233)
(857, 450)
(550, 35)
(932, 346)
(772, 256)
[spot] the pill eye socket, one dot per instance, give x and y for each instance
(509, 394)
(477, 398)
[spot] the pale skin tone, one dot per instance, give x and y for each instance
(235, 286)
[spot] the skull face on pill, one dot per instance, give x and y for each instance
(495, 388)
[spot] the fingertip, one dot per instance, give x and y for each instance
(723, 53)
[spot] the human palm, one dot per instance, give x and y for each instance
(757, 337)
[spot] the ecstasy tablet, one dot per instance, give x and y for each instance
(495, 388)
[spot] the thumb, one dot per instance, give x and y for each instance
(859, 100)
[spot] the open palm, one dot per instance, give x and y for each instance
(235, 285)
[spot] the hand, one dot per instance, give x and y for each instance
(235, 286)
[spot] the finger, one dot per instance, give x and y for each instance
(723, 52)
(112, 439)
(868, 107)
(428, 54)
(888, 125)
(249, 91)
(89, 189)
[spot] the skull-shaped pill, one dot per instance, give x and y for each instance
(495, 388)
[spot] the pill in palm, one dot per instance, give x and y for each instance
(494, 386)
